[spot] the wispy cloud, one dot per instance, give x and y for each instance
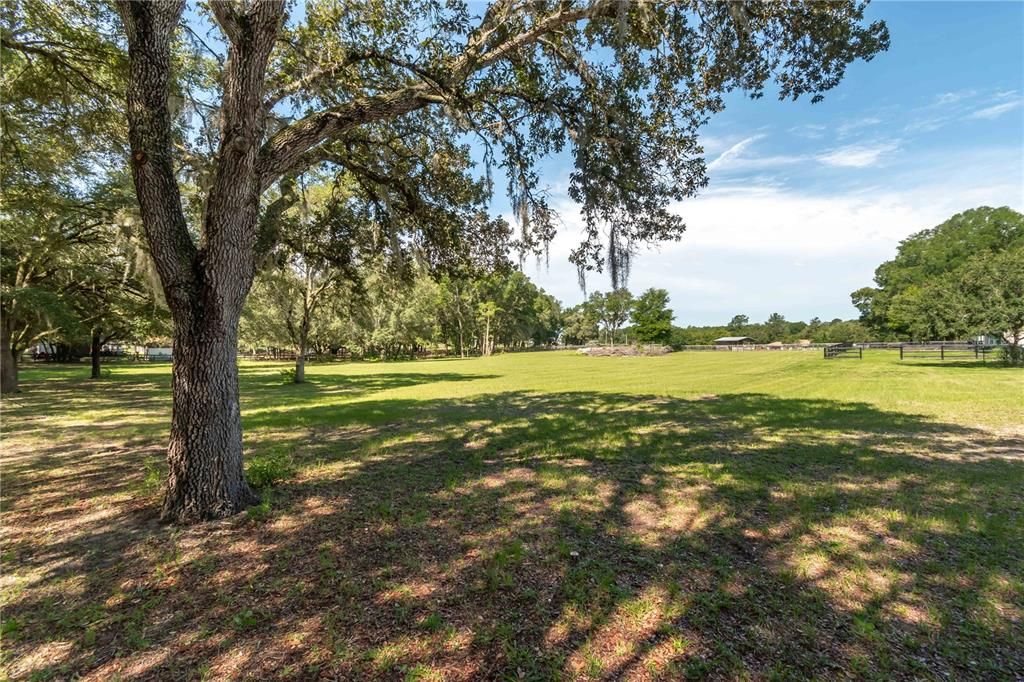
(812, 131)
(857, 156)
(927, 125)
(848, 127)
(733, 152)
(996, 110)
(949, 107)
(947, 98)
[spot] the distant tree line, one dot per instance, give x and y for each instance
(396, 316)
(776, 328)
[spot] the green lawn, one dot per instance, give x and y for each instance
(532, 516)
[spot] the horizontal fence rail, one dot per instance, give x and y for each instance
(944, 351)
(833, 352)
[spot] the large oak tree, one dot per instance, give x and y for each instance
(623, 85)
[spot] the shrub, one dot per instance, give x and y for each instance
(266, 470)
(1012, 355)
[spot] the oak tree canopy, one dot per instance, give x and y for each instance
(623, 87)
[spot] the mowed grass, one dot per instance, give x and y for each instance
(532, 516)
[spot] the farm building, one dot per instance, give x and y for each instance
(733, 340)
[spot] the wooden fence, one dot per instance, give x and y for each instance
(944, 351)
(842, 351)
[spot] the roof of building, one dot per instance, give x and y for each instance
(733, 339)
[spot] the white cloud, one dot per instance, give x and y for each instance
(733, 152)
(857, 156)
(760, 248)
(996, 110)
(740, 156)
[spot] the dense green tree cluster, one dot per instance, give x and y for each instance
(74, 270)
(959, 280)
(603, 316)
(369, 310)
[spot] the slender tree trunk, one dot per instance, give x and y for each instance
(300, 360)
(94, 353)
(8, 362)
(205, 478)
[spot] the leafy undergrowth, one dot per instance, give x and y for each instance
(432, 521)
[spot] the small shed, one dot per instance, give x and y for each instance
(733, 340)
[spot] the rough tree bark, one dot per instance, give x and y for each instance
(205, 286)
(205, 474)
(8, 361)
(300, 359)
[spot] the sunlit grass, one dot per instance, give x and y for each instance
(533, 516)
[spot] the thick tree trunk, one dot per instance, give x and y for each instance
(94, 353)
(8, 362)
(205, 478)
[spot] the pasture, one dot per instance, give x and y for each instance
(532, 516)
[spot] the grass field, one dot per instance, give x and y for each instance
(532, 516)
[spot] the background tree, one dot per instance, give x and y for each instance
(994, 289)
(580, 325)
(611, 310)
(457, 310)
(895, 305)
(775, 328)
(737, 323)
(318, 245)
(982, 297)
(486, 311)
(548, 319)
(61, 138)
(652, 320)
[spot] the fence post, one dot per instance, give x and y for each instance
(942, 352)
(901, 351)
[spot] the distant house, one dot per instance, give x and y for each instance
(733, 340)
(158, 353)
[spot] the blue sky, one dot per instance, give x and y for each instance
(806, 200)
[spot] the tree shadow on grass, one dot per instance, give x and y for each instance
(269, 394)
(588, 535)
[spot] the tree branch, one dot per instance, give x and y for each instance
(150, 28)
(284, 152)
